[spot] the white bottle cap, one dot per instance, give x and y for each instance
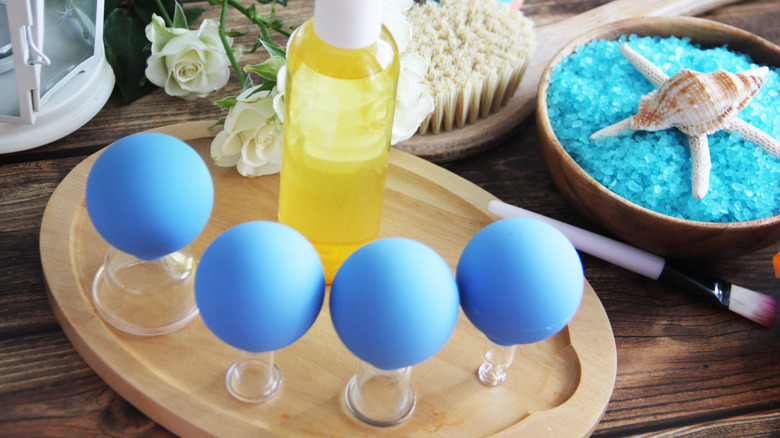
(348, 24)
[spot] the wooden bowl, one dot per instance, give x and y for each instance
(639, 226)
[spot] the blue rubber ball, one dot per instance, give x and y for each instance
(259, 286)
(520, 281)
(149, 195)
(394, 303)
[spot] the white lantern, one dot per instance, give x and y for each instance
(53, 72)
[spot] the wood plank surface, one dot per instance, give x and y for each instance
(684, 367)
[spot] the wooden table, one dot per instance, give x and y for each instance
(684, 367)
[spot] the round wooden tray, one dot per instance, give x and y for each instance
(558, 387)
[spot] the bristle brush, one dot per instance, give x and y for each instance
(750, 304)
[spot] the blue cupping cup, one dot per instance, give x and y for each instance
(149, 195)
(260, 286)
(520, 281)
(394, 303)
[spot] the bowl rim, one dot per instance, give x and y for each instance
(612, 31)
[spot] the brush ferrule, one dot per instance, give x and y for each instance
(707, 287)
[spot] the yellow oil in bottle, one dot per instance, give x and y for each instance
(339, 106)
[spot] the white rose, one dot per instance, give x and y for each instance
(187, 63)
(252, 136)
(394, 19)
(281, 83)
(281, 80)
(413, 100)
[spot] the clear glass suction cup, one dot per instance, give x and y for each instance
(253, 378)
(379, 397)
(497, 358)
(146, 297)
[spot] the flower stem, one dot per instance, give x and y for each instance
(228, 50)
(164, 13)
(262, 23)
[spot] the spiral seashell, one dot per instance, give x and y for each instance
(697, 103)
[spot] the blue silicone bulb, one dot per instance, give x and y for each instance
(149, 195)
(259, 286)
(520, 281)
(394, 303)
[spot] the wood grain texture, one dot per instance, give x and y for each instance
(670, 346)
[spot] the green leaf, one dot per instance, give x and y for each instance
(273, 48)
(276, 24)
(235, 33)
(124, 40)
(179, 19)
(271, 14)
(109, 7)
(193, 14)
(269, 69)
(264, 85)
(219, 122)
(247, 83)
(145, 8)
(227, 103)
(252, 12)
(258, 43)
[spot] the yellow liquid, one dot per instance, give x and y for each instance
(339, 107)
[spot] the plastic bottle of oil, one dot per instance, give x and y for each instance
(342, 73)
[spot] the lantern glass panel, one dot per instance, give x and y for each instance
(69, 41)
(55, 77)
(8, 94)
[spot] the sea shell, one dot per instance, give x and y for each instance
(697, 103)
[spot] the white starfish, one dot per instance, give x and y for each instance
(697, 104)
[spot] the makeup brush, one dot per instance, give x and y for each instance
(750, 304)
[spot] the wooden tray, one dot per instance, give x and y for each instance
(559, 387)
(486, 133)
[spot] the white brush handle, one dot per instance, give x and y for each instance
(618, 253)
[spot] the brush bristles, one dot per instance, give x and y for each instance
(477, 54)
(753, 305)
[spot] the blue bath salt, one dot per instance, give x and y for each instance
(596, 86)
